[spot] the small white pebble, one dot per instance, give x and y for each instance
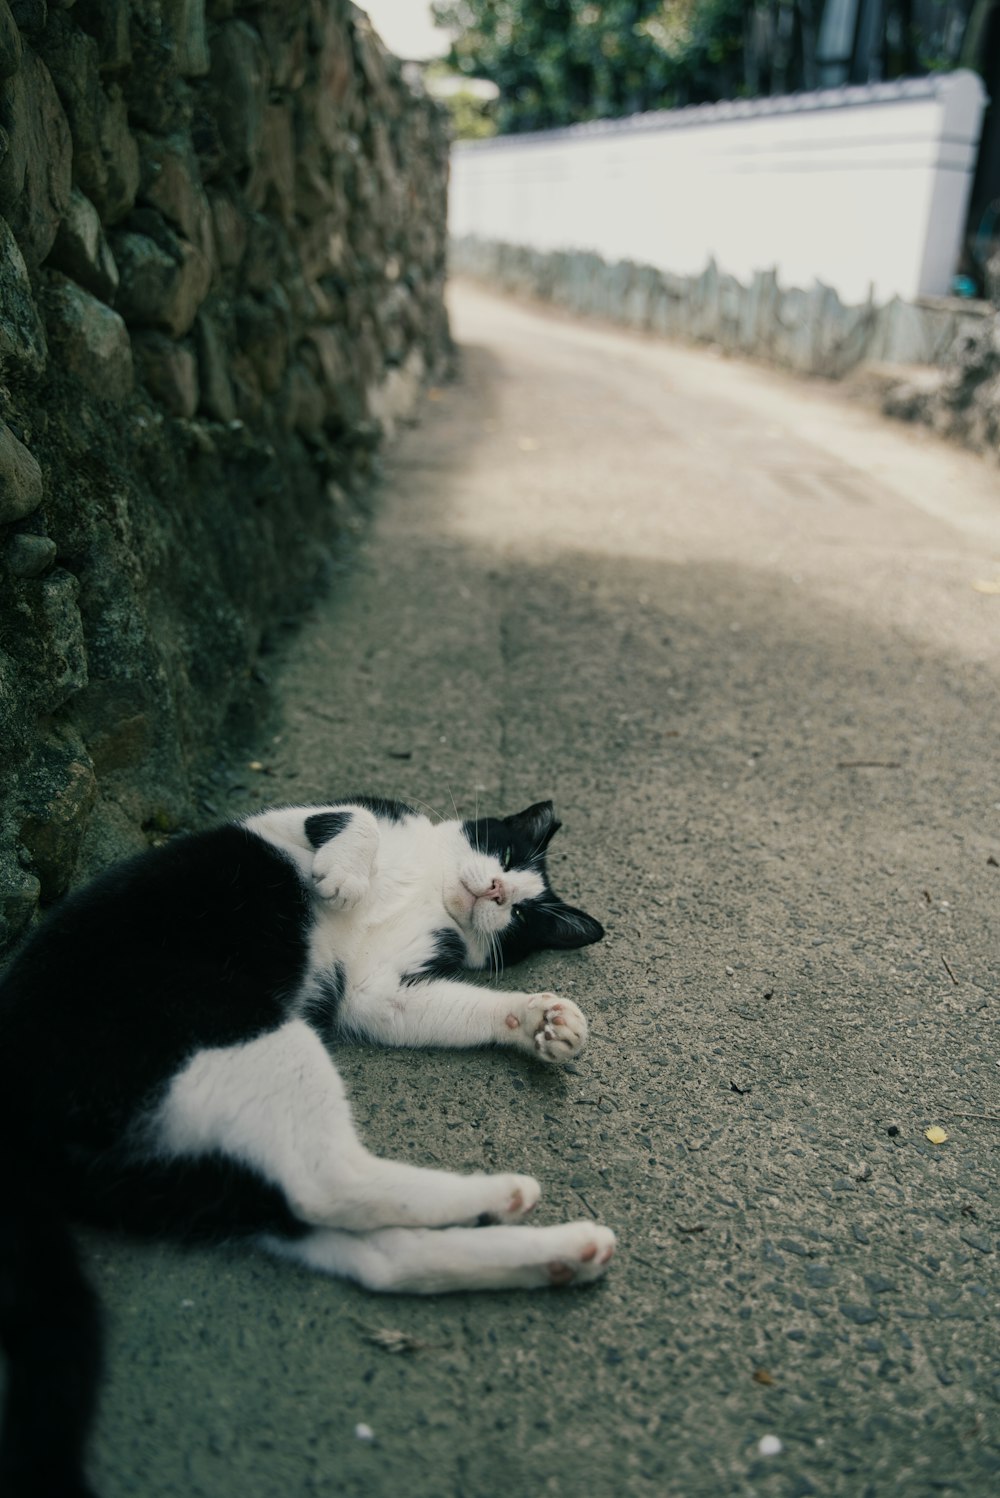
(730, 972)
(769, 1446)
(365, 1433)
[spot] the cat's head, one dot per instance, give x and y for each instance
(502, 897)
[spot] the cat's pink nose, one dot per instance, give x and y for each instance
(496, 892)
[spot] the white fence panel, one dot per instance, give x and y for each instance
(863, 189)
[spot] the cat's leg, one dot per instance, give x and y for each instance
(418, 1262)
(278, 1105)
(448, 1012)
(334, 847)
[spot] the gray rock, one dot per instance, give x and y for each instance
(30, 15)
(19, 895)
(107, 21)
(263, 334)
(10, 42)
(61, 791)
(273, 178)
(171, 183)
(217, 399)
(114, 722)
(83, 252)
(105, 153)
(20, 478)
(169, 371)
(164, 278)
(306, 406)
(186, 22)
(29, 556)
(52, 651)
(230, 229)
(22, 334)
(35, 173)
(239, 79)
(91, 340)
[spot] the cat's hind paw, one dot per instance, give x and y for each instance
(516, 1196)
(556, 1027)
(583, 1251)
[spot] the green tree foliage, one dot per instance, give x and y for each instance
(560, 61)
(557, 62)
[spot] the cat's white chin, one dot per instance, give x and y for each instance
(475, 913)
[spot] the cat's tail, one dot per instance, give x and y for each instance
(50, 1333)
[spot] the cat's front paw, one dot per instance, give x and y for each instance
(555, 1028)
(341, 890)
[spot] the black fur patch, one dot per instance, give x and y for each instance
(388, 810)
(324, 826)
(450, 957)
(322, 1008)
(201, 943)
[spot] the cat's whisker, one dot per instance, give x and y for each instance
(426, 806)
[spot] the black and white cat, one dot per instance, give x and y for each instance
(165, 1068)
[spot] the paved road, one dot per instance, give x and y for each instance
(743, 632)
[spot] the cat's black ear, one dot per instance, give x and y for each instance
(537, 826)
(568, 927)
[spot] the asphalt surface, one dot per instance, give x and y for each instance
(745, 634)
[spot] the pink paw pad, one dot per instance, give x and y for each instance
(561, 1273)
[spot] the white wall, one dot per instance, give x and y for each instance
(864, 189)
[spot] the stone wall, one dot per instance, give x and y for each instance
(960, 399)
(811, 331)
(221, 280)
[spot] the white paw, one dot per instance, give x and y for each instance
(510, 1198)
(577, 1252)
(336, 881)
(555, 1028)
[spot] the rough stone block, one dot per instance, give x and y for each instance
(10, 42)
(91, 340)
(107, 21)
(230, 230)
(169, 371)
(35, 173)
(171, 183)
(30, 15)
(83, 252)
(105, 154)
(239, 80)
(186, 22)
(217, 399)
(20, 478)
(305, 406)
(61, 791)
(272, 181)
(29, 556)
(22, 335)
(263, 334)
(114, 722)
(19, 896)
(164, 278)
(47, 617)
